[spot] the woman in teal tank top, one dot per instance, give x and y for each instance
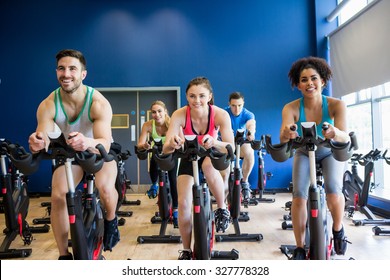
(156, 128)
(310, 75)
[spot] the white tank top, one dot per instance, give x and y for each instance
(82, 123)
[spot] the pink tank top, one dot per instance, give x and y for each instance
(211, 130)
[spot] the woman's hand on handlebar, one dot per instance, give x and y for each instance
(333, 133)
(288, 132)
(174, 143)
(145, 146)
(36, 142)
(208, 142)
(328, 130)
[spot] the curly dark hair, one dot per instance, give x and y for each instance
(316, 63)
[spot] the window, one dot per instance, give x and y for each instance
(351, 9)
(368, 112)
(368, 106)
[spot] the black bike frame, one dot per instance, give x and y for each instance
(234, 198)
(164, 205)
(15, 203)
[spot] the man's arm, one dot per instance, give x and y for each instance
(251, 129)
(39, 140)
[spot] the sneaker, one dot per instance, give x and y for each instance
(68, 256)
(299, 254)
(175, 220)
(222, 219)
(340, 242)
(153, 191)
(185, 254)
(111, 234)
(246, 190)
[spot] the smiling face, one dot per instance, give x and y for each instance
(158, 113)
(70, 74)
(310, 82)
(198, 96)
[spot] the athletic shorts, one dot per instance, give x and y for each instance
(332, 171)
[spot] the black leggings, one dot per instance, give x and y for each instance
(172, 175)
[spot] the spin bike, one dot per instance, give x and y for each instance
(317, 236)
(203, 215)
(84, 210)
(15, 203)
(164, 199)
(234, 195)
(262, 177)
(356, 190)
(122, 183)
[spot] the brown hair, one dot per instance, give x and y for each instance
(236, 95)
(204, 82)
(72, 53)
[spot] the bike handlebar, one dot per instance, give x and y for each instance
(28, 163)
(142, 154)
(372, 155)
(309, 139)
(239, 139)
(191, 151)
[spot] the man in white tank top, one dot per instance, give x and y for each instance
(84, 116)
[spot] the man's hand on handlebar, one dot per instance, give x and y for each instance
(78, 142)
(36, 142)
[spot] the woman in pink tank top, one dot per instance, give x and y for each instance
(200, 118)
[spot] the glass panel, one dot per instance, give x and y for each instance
(385, 108)
(349, 99)
(364, 94)
(351, 9)
(360, 121)
(387, 89)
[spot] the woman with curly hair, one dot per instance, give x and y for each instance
(310, 75)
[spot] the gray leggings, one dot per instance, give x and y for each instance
(332, 170)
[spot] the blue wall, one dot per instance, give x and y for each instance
(245, 46)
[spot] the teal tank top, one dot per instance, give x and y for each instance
(325, 116)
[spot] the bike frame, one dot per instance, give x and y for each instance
(319, 244)
(164, 204)
(15, 203)
(234, 198)
(262, 177)
(203, 216)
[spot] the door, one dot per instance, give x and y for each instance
(131, 108)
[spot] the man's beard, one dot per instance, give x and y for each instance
(71, 90)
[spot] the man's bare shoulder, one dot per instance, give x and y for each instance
(48, 102)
